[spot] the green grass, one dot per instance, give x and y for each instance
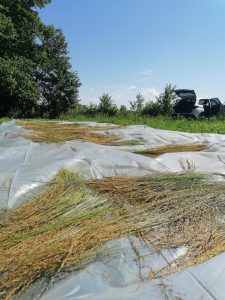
(195, 126)
(2, 120)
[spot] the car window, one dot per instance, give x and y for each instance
(186, 95)
(214, 103)
(216, 100)
(202, 101)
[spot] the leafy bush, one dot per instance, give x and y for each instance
(91, 109)
(107, 106)
(151, 109)
(123, 110)
(166, 100)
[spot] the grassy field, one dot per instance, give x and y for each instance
(196, 126)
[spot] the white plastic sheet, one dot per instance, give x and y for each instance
(26, 166)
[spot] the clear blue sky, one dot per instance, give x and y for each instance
(128, 46)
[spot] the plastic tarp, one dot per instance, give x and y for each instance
(119, 279)
(26, 166)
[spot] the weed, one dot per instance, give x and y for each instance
(187, 165)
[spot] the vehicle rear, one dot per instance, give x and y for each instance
(185, 104)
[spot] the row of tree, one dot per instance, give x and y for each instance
(36, 78)
(162, 105)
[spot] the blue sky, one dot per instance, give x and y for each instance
(124, 47)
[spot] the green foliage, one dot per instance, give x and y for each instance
(58, 85)
(91, 110)
(3, 120)
(162, 106)
(123, 110)
(137, 105)
(7, 30)
(35, 77)
(25, 3)
(107, 106)
(18, 89)
(37, 3)
(22, 29)
(151, 109)
(166, 100)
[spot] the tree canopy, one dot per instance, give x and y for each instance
(106, 105)
(36, 78)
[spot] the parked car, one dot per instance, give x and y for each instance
(187, 105)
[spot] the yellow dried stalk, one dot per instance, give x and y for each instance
(52, 132)
(69, 222)
(172, 148)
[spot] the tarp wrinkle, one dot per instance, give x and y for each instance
(25, 167)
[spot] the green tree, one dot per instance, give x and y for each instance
(151, 109)
(137, 104)
(8, 33)
(91, 110)
(166, 100)
(18, 90)
(58, 85)
(107, 105)
(30, 77)
(37, 3)
(123, 110)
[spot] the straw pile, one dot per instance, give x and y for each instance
(68, 223)
(173, 148)
(52, 132)
(178, 209)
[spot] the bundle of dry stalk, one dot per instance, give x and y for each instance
(54, 132)
(173, 148)
(69, 222)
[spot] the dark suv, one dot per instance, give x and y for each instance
(187, 105)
